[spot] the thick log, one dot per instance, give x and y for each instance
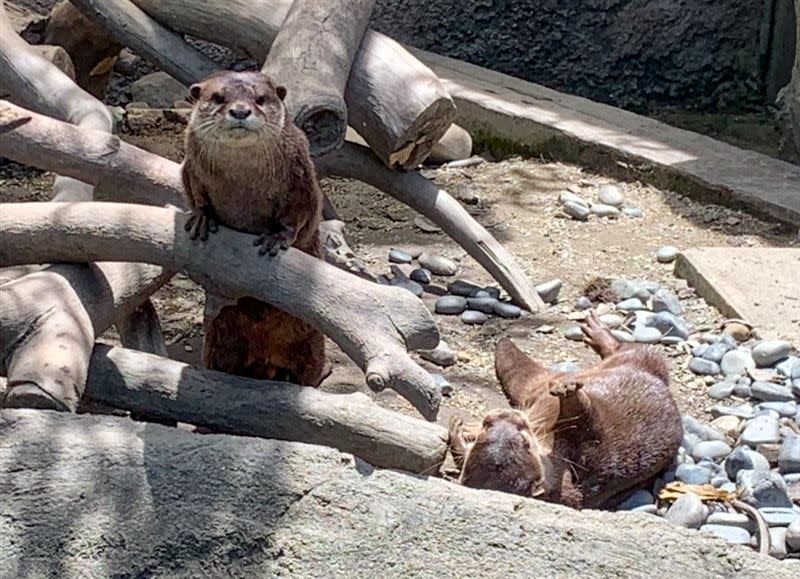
(141, 330)
(356, 162)
(163, 389)
(394, 101)
(149, 39)
(374, 325)
(311, 56)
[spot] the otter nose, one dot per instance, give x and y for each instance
(240, 112)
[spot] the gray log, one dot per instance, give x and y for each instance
(311, 56)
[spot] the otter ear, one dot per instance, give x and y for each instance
(281, 92)
(194, 91)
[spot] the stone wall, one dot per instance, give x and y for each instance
(703, 54)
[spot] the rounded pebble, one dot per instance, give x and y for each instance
(688, 511)
(578, 212)
(442, 355)
(766, 353)
(474, 318)
(667, 254)
(731, 520)
(505, 310)
(437, 264)
(421, 275)
(612, 321)
(583, 303)
(728, 425)
(574, 333)
(741, 411)
(733, 535)
(720, 390)
(703, 367)
(569, 197)
(492, 291)
(602, 210)
(737, 362)
(400, 256)
(630, 305)
(666, 301)
(485, 305)
(549, 291)
(407, 284)
(769, 392)
(713, 449)
(744, 459)
(715, 352)
(633, 212)
(793, 535)
(763, 429)
(611, 195)
(645, 335)
(789, 455)
(636, 499)
(463, 288)
(622, 336)
(692, 474)
(450, 305)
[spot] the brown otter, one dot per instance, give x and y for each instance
(248, 167)
(583, 439)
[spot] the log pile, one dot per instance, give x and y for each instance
(111, 257)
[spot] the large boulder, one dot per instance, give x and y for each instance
(96, 496)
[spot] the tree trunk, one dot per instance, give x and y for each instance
(394, 101)
(311, 56)
(375, 325)
(793, 93)
(163, 389)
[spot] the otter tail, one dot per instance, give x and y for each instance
(516, 371)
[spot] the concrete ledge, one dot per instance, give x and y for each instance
(498, 107)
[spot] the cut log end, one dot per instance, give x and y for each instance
(30, 395)
(324, 124)
(417, 142)
(410, 381)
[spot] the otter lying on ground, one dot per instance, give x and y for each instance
(583, 439)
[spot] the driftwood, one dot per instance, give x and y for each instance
(162, 389)
(393, 100)
(356, 162)
(311, 56)
(374, 325)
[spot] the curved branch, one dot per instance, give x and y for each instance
(373, 324)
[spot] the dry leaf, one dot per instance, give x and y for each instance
(674, 490)
(103, 66)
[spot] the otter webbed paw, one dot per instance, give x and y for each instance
(274, 241)
(565, 387)
(202, 222)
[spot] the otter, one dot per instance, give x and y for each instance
(583, 439)
(248, 167)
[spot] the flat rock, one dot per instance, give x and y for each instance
(713, 449)
(442, 355)
(158, 89)
(632, 212)
(450, 305)
(727, 425)
(786, 367)
(763, 429)
(630, 305)
(667, 254)
(625, 289)
(583, 303)
(777, 542)
(688, 511)
(762, 489)
(789, 455)
(784, 409)
(645, 335)
(574, 333)
(733, 535)
(474, 318)
(741, 411)
(694, 427)
(779, 516)
(769, 392)
(769, 352)
(569, 197)
(715, 352)
(703, 367)
(421, 275)
(612, 321)
(692, 474)
(720, 390)
(744, 459)
(671, 325)
(731, 520)
(737, 362)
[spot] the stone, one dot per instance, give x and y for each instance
(727, 425)
(699, 350)
(739, 332)
(784, 409)
(442, 355)
(576, 211)
(506, 310)
(647, 509)
(622, 336)
(768, 352)
(732, 520)
(485, 305)
(789, 455)
(719, 480)
(625, 289)
(492, 291)
(445, 387)
(636, 499)
(733, 535)
(713, 449)
(779, 516)
(762, 489)
(158, 89)
(437, 264)
(666, 301)
(583, 303)
(421, 275)
(741, 411)
(549, 291)
(796, 370)
(693, 427)
(463, 288)
(407, 284)
(634, 212)
(763, 429)
(574, 333)
(770, 451)
(793, 536)
(630, 305)
(450, 305)
(742, 390)
(671, 325)
(692, 474)
(612, 321)
(715, 352)
(703, 367)
(645, 335)
(426, 225)
(737, 362)
(610, 195)
(777, 542)
(607, 211)
(720, 390)
(688, 511)
(569, 197)
(400, 256)
(474, 318)
(769, 392)
(667, 254)
(744, 459)
(785, 367)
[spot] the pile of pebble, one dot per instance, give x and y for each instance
(611, 204)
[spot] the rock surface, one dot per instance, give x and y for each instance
(168, 503)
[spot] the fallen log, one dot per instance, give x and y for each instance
(393, 100)
(374, 325)
(162, 389)
(356, 162)
(311, 56)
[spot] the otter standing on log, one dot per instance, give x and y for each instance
(583, 439)
(247, 167)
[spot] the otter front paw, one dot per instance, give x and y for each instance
(202, 222)
(273, 242)
(565, 387)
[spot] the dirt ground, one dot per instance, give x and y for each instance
(517, 203)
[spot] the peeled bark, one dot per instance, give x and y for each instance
(311, 56)
(374, 325)
(393, 100)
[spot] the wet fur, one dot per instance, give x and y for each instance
(261, 182)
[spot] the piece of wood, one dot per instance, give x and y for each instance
(141, 330)
(374, 325)
(338, 252)
(311, 56)
(158, 388)
(395, 102)
(355, 162)
(149, 39)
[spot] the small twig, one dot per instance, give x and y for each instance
(763, 528)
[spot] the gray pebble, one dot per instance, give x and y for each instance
(569, 197)
(770, 351)
(741, 411)
(667, 254)
(576, 211)
(699, 350)
(720, 390)
(786, 366)
(713, 449)
(796, 370)
(789, 455)
(703, 367)
(666, 301)
(742, 390)
(737, 362)
(692, 426)
(719, 480)
(671, 325)
(793, 536)
(671, 340)
(610, 195)
(549, 291)
(777, 542)
(632, 211)
(779, 516)
(583, 303)
(733, 535)
(450, 305)
(612, 321)
(400, 256)
(645, 335)
(744, 459)
(636, 499)
(574, 333)
(437, 264)
(648, 509)
(602, 210)
(472, 317)
(762, 489)
(442, 355)
(784, 409)
(444, 386)
(731, 520)
(692, 474)
(505, 310)
(463, 288)
(763, 429)
(622, 336)
(407, 284)
(421, 275)
(769, 392)
(715, 352)
(688, 511)
(492, 291)
(481, 294)
(630, 305)
(625, 289)
(485, 305)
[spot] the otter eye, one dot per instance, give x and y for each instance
(218, 98)
(260, 100)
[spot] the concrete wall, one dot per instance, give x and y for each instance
(704, 54)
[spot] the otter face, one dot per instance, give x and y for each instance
(240, 108)
(506, 456)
